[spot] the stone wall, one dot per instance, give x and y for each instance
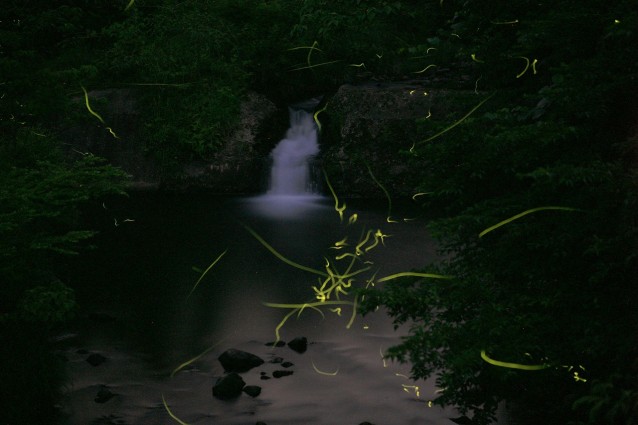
(375, 125)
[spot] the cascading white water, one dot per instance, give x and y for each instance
(290, 173)
(290, 194)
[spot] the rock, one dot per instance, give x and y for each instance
(277, 360)
(96, 359)
(261, 423)
(228, 386)
(366, 423)
(287, 364)
(103, 395)
(374, 123)
(276, 344)
(235, 168)
(282, 373)
(239, 361)
(252, 390)
(300, 345)
(264, 377)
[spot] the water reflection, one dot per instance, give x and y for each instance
(290, 207)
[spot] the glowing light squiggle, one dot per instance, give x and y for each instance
(206, 271)
(95, 114)
(178, 420)
(281, 257)
(524, 213)
(414, 274)
(316, 114)
(323, 373)
(194, 359)
(387, 195)
(508, 365)
(424, 69)
(526, 66)
(455, 124)
(339, 210)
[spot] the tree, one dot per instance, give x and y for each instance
(532, 199)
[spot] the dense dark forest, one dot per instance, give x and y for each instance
(530, 189)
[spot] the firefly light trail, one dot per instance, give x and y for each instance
(453, 125)
(524, 213)
(206, 271)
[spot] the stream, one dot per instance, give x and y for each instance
(139, 310)
(180, 278)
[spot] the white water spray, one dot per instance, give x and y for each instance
(290, 194)
(290, 173)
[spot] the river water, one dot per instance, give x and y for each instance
(138, 310)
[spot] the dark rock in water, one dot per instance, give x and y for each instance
(299, 345)
(287, 364)
(264, 377)
(277, 360)
(96, 359)
(238, 361)
(261, 423)
(282, 373)
(366, 423)
(228, 386)
(276, 344)
(252, 390)
(104, 395)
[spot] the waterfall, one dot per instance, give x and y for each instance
(290, 172)
(291, 193)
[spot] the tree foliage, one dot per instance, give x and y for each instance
(554, 287)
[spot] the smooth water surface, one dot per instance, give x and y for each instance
(136, 311)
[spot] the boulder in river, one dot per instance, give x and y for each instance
(299, 344)
(96, 359)
(239, 361)
(282, 373)
(252, 390)
(104, 395)
(228, 386)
